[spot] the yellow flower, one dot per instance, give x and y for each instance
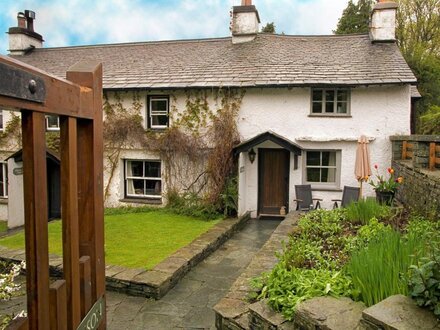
(400, 179)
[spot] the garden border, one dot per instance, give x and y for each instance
(164, 276)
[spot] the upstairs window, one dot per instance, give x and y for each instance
(158, 110)
(143, 178)
(330, 101)
(52, 123)
(3, 180)
(1, 120)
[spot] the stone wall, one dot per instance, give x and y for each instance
(395, 312)
(420, 189)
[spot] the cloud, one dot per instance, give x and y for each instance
(82, 22)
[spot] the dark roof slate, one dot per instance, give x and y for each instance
(269, 60)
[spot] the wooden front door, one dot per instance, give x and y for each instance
(273, 180)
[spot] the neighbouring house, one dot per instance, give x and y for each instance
(301, 104)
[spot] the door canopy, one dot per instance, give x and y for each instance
(268, 136)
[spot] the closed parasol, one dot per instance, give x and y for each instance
(362, 169)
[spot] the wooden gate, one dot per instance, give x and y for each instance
(78, 300)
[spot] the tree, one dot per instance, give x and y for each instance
(268, 28)
(418, 27)
(355, 17)
(418, 37)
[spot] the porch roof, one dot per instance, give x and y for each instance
(18, 156)
(268, 136)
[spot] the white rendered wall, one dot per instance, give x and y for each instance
(16, 197)
(376, 112)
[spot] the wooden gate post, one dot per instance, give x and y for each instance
(90, 189)
(35, 204)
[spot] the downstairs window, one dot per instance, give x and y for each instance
(143, 178)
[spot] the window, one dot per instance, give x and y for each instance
(327, 101)
(158, 107)
(322, 168)
(143, 178)
(1, 120)
(3, 180)
(52, 123)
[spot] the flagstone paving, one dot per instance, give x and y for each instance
(189, 304)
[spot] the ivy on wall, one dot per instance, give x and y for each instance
(196, 149)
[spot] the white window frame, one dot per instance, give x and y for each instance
(323, 185)
(152, 98)
(335, 101)
(4, 178)
(127, 178)
(52, 128)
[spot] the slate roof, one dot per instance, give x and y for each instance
(269, 60)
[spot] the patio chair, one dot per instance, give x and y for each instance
(304, 200)
(349, 195)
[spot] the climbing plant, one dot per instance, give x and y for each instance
(196, 149)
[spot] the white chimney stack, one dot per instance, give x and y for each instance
(23, 38)
(383, 22)
(244, 22)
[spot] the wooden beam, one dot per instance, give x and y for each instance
(35, 211)
(404, 148)
(432, 156)
(90, 183)
(58, 308)
(64, 98)
(86, 285)
(69, 212)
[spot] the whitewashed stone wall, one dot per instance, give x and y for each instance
(376, 112)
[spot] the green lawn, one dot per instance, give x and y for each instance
(138, 240)
(3, 226)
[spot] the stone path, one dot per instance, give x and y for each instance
(189, 304)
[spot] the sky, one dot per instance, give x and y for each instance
(84, 22)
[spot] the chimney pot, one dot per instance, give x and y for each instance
(30, 16)
(246, 2)
(21, 20)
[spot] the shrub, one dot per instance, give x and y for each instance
(362, 211)
(380, 269)
(285, 288)
(191, 204)
(229, 197)
(424, 282)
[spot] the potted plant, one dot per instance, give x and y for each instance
(385, 187)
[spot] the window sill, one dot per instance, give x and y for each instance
(329, 116)
(326, 189)
(3, 200)
(151, 201)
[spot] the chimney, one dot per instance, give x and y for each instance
(244, 22)
(383, 22)
(23, 39)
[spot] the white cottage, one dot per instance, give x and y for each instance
(307, 99)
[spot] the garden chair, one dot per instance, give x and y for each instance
(349, 195)
(304, 200)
